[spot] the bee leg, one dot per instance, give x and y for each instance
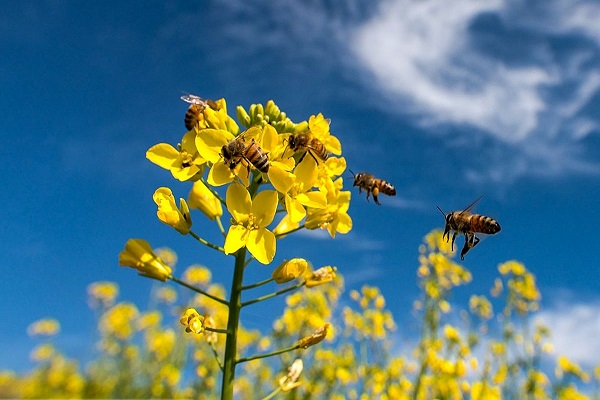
(375, 198)
(313, 156)
(474, 241)
(302, 157)
(465, 249)
(453, 239)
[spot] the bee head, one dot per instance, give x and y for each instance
(225, 152)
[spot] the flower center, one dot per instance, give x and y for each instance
(186, 159)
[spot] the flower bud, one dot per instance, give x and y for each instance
(139, 255)
(201, 198)
(290, 270)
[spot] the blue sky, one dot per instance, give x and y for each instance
(446, 100)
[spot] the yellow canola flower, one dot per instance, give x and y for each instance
(514, 267)
(290, 381)
(251, 218)
(322, 275)
(43, 352)
(319, 128)
(192, 321)
(300, 194)
(44, 327)
(567, 366)
(168, 212)
(119, 321)
(203, 199)
(334, 217)
(317, 337)
(103, 293)
(185, 164)
(138, 254)
(290, 270)
(197, 275)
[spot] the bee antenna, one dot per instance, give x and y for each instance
(443, 213)
(352, 172)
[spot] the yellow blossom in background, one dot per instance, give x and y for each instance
(513, 267)
(160, 343)
(320, 276)
(481, 306)
(43, 352)
(44, 327)
(185, 164)
(192, 321)
(197, 275)
(166, 295)
(498, 287)
(290, 270)
(251, 219)
(315, 338)
(566, 366)
(203, 199)
(138, 254)
(483, 391)
(150, 319)
(102, 293)
(168, 212)
(119, 321)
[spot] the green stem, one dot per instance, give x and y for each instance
(290, 231)
(197, 290)
(216, 354)
(220, 224)
(214, 192)
(204, 242)
(235, 306)
(216, 330)
(257, 284)
(271, 295)
(273, 393)
(273, 353)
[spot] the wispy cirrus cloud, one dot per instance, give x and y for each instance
(523, 76)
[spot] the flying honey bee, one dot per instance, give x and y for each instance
(305, 141)
(237, 150)
(468, 224)
(194, 111)
(373, 186)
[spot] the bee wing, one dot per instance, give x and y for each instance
(193, 99)
(470, 206)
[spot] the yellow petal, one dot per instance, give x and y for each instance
(262, 245)
(307, 173)
(209, 143)
(314, 199)
(236, 239)
(333, 145)
(163, 154)
(285, 225)
(203, 199)
(219, 174)
(188, 142)
(185, 173)
(264, 207)
(280, 177)
(295, 209)
(238, 202)
(270, 139)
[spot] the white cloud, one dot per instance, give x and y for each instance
(575, 331)
(430, 58)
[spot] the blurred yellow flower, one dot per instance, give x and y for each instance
(138, 254)
(197, 275)
(481, 306)
(119, 321)
(185, 164)
(44, 327)
(168, 212)
(43, 352)
(203, 199)
(192, 321)
(166, 295)
(317, 336)
(102, 293)
(320, 276)
(250, 221)
(566, 366)
(290, 270)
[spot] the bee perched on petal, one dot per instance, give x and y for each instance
(194, 111)
(237, 150)
(468, 224)
(373, 186)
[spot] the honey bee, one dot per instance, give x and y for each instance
(194, 111)
(310, 144)
(237, 150)
(373, 186)
(468, 224)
